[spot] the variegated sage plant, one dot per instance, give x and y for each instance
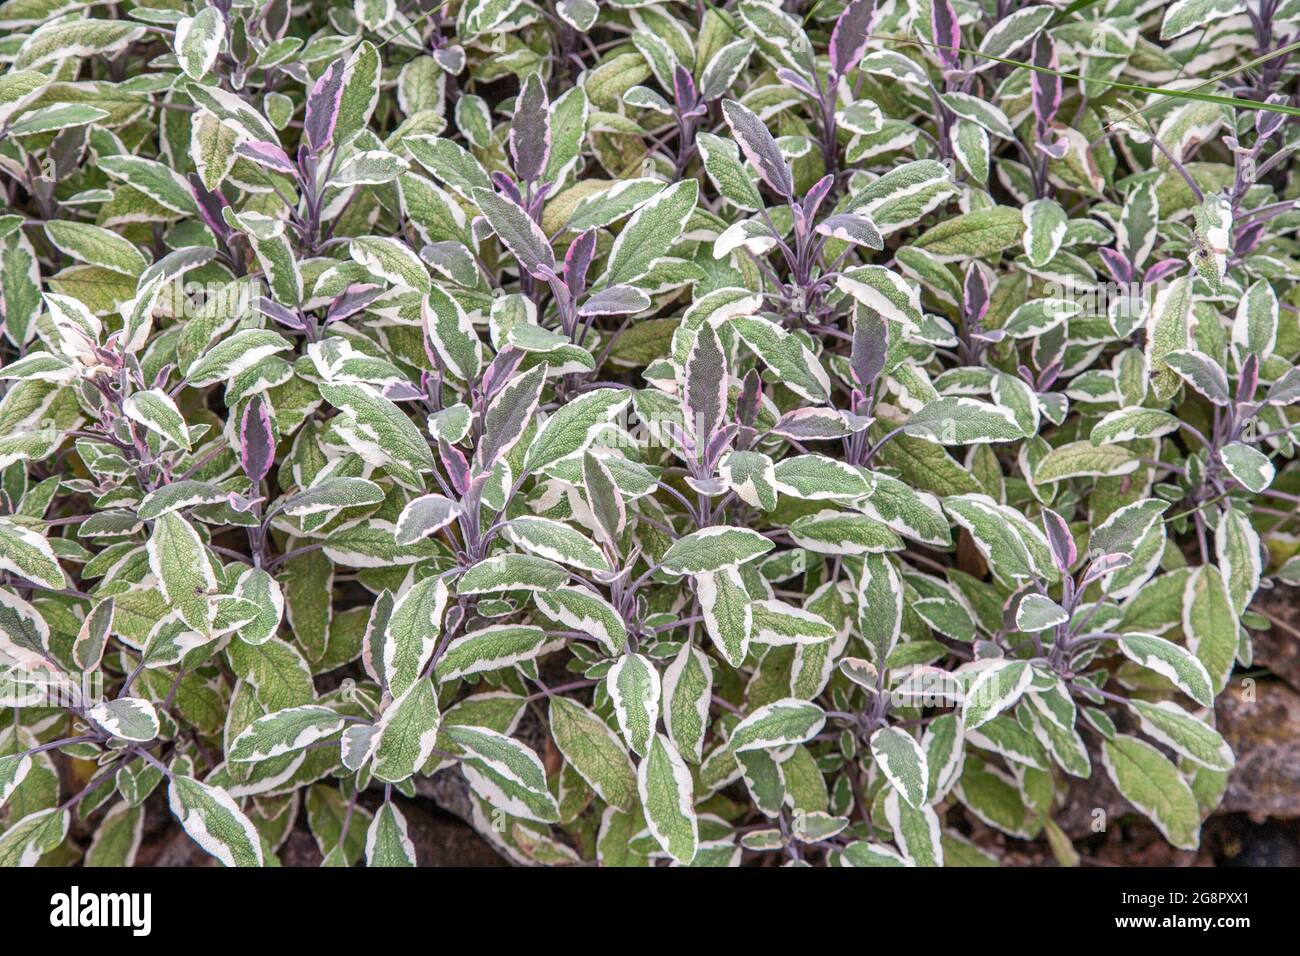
(702, 433)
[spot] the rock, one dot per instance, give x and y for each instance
(442, 840)
(1277, 648)
(1260, 718)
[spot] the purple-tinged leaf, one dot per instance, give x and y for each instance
(401, 392)
(279, 313)
(760, 148)
(577, 260)
(1249, 235)
(706, 385)
(684, 91)
(503, 365)
(355, 298)
(269, 155)
(505, 184)
(323, 106)
(1249, 380)
(1046, 88)
(718, 444)
(1120, 269)
(508, 416)
(852, 227)
(453, 460)
(616, 300)
(256, 438)
(1064, 550)
(817, 195)
(1268, 122)
(1163, 269)
(975, 293)
(947, 33)
(210, 205)
(789, 76)
(751, 391)
(849, 38)
(812, 424)
(870, 346)
(530, 130)
(520, 234)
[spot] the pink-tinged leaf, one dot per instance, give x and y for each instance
(578, 260)
(508, 416)
(256, 439)
(1120, 269)
(751, 390)
(1267, 122)
(530, 130)
(849, 38)
(706, 385)
(401, 392)
(355, 298)
(323, 106)
(210, 205)
(1163, 269)
(269, 155)
(453, 459)
(975, 293)
(759, 147)
(851, 227)
(1046, 88)
(1064, 550)
(499, 371)
(274, 310)
(821, 189)
(870, 346)
(1103, 565)
(521, 235)
(1249, 380)
(684, 91)
(947, 33)
(616, 300)
(506, 186)
(789, 76)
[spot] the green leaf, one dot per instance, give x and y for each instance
(778, 724)
(1149, 781)
(405, 734)
(412, 633)
(128, 718)
(1169, 724)
(157, 412)
(387, 841)
(1210, 624)
(28, 839)
(1171, 661)
(179, 560)
(285, 731)
(557, 542)
(505, 773)
(963, 421)
(595, 751)
(214, 821)
(489, 649)
(573, 427)
(977, 234)
(996, 687)
(27, 554)
(634, 688)
(712, 549)
(667, 796)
